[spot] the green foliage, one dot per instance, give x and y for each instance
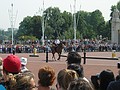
(30, 26)
(1, 35)
(69, 33)
(57, 24)
(25, 38)
(118, 5)
(96, 19)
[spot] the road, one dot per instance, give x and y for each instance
(92, 66)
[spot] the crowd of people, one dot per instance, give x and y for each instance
(69, 45)
(14, 75)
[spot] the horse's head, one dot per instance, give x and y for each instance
(61, 44)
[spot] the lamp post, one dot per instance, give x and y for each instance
(47, 51)
(12, 22)
(43, 29)
(84, 53)
(43, 26)
(41, 11)
(74, 20)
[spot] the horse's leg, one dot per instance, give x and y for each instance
(53, 57)
(59, 54)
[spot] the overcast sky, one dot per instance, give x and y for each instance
(23, 8)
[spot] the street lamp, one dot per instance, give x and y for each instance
(12, 21)
(74, 20)
(43, 26)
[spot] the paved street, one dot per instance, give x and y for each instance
(91, 67)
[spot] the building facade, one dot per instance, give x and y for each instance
(115, 27)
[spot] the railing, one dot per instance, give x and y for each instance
(101, 58)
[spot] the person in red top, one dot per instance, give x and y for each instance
(11, 66)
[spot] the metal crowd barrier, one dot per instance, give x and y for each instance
(92, 57)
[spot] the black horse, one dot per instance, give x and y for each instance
(57, 49)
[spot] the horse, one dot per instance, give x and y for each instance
(57, 49)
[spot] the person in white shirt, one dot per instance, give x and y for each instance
(23, 64)
(57, 41)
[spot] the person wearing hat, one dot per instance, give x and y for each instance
(23, 64)
(11, 66)
(1, 75)
(57, 41)
(73, 58)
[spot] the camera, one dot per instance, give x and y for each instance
(94, 80)
(96, 77)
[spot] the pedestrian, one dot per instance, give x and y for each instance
(25, 81)
(11, 67)
(23, 64)
(46, 77)
(73, 58)
(64, 77)
(80, 84)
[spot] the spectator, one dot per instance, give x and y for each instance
(114, 85)
(1, 67)
(80, 84)
(13, 51)
(78, 69)
(11, 66)
(105, 77)
(2, 87)
(23, 64)
(74, 63)
(46, 77)
(73, 57)
(118, 76)
(25, 81)
(64, 77)
(1, 76)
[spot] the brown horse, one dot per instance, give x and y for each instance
(57, 49)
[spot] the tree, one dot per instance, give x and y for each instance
(96, 20)
(54, 20)
(30, 26)
(118, 5)
(36, 26)
(57, 24)
(24, 28)
(25, 38)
